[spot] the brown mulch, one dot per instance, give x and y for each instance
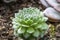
(7, 11)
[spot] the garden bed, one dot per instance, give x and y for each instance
(7, 12)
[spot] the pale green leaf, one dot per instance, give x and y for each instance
(30, 30)
(36, 33)
(21, 30)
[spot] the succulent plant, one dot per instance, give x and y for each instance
(29, 22)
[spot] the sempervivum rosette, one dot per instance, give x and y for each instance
(29, 22)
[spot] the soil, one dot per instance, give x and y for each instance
(7, 11)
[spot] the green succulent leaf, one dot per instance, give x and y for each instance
(15, 27)
(43, 26)
(26, 35)
(24, 25)
(30, 30)
(21, 30)
(36, 33)
(42, 34)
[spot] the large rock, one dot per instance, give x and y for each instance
(44, 3)
(52, 14)
(54, 4)
(58, 1)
